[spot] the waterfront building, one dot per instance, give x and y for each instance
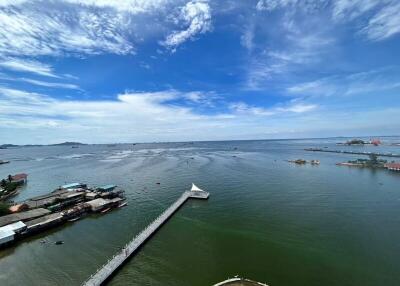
(6, 236)
(19, 178)
(23, 216)
(393, 166)
(8, 232)
(73, 186)
(98, 204)
(107, 188)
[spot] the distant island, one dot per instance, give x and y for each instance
(67, 144)
(375, 142)
(6, 146)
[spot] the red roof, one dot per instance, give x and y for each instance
(18, 177)
(393, 165)
(376, 142)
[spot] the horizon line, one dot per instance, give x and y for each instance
(192, 141)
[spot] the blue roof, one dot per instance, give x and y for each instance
(73, 185)
(107, 187)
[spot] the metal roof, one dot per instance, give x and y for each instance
(18, 177)
(6, 235)
(392, 165)
(72, 185)
(106, 187)
(98, 202)
(11, 218)
(16, 226)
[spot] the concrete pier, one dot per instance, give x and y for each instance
(107, 270)
(353, 152)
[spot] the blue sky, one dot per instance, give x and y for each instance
(101, 71)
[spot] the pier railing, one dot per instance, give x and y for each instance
(105, 271)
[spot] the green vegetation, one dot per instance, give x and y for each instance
(355, 142)
(4, 209)
(7, 187)
(372, 162)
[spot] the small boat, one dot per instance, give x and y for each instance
(123, 205)
(4, 162)
(74, 219)
(105, 210)
(59, 242)
(298, 161)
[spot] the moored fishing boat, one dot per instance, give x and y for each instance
(124, 204)
(75, 219)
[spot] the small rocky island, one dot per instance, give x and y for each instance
(373, 162)
(303, 162)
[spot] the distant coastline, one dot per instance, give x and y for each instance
(67, 143)
(6, 146)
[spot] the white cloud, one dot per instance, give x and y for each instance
(31, 30)
(39, 28)
(247, 39)
(379, 18)
(196, 15)
(384, 23)
(87, 27)
(244, 108)
(50, 84)
(40, 82)
(291, 107)
(299, 108)
(307, 5)
(361, 83)
(131, 6)
(270, 5)
(306, 38)
(15, 96)
(5, 3)
(133, 116)
(345, 9)
(301, 49)
(203, 98)
(30, 66)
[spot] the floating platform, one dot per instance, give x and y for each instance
(112, 265)
(239, 282)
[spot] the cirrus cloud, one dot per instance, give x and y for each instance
(196, 15)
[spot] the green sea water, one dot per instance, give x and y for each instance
(266, 219)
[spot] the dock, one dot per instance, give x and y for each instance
(353, 152)
(239, 282)
(113, 264)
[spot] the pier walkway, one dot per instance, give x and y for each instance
(117, 260)
(353, 152)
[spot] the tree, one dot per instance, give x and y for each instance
(3, 183)
(4, 209)
(373, 159)
(9, 178)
